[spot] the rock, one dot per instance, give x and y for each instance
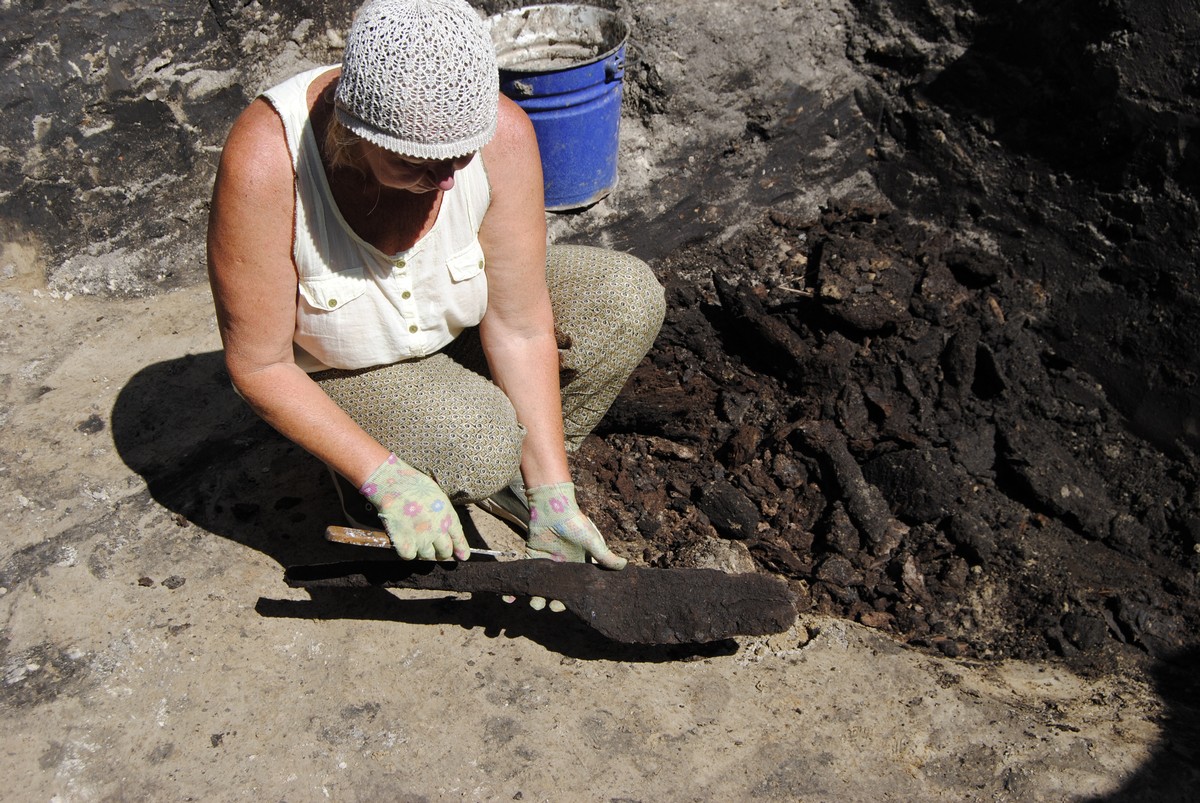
(972, 536)
(920, 485)
(865, 504)
(1147, 627)
(840, 534)
(839, 571)
(958, 360)
(876, 619)
(1084, 630)
(1054, 479)
(714, 553)
(729, 509)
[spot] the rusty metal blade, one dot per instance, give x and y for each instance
(636, 605)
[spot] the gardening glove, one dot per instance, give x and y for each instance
(417, 514)
(558, 529)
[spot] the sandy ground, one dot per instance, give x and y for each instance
(143, 659)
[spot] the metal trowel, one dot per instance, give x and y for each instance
(637, 605)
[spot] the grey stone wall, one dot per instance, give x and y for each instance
(114, 116)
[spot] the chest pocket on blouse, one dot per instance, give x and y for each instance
(467, 263)
(334, 290)
(466, 302)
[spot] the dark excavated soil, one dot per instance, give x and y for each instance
(874, 416)
(981, 444)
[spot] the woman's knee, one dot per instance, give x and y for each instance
(455, 426)
(481, 463)
(646, 296)
(619, 292)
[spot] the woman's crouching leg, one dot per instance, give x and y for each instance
(437, 416)
(609, 307)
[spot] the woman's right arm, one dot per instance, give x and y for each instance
(254, 288)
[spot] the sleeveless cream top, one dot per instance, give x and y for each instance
(358, 306)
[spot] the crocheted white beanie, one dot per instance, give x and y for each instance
(419, 78)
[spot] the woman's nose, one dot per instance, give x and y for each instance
(441, 170)
(442, 174)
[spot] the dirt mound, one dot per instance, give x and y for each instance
(867, 408)
(963, 410)
(963, 415)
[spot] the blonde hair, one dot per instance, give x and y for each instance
(342, 147)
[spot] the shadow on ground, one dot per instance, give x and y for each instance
(1173, 771)
(210, 461)
(559, 633)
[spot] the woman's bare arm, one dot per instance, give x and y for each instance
(254, 288)
(518, 329)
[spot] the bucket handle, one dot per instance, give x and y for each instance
(614, 70)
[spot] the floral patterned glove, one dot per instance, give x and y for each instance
(417, 514)
(558, 529)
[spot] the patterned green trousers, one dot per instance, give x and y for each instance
(443, 415)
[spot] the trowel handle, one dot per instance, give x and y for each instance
(378, 538)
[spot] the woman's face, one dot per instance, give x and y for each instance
(414, 175)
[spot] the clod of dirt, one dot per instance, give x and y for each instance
(729, 509)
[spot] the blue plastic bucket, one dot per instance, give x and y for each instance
(565, 66)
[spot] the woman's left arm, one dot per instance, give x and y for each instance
(517, 331)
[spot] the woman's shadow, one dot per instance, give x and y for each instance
(1172, 771)
(212, 462)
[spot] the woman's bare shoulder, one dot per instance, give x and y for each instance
(515, 141)
(514, 229)
(256, 145)
(253, 196)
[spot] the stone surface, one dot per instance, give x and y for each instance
(115, 116)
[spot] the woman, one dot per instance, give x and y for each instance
(377, 253)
